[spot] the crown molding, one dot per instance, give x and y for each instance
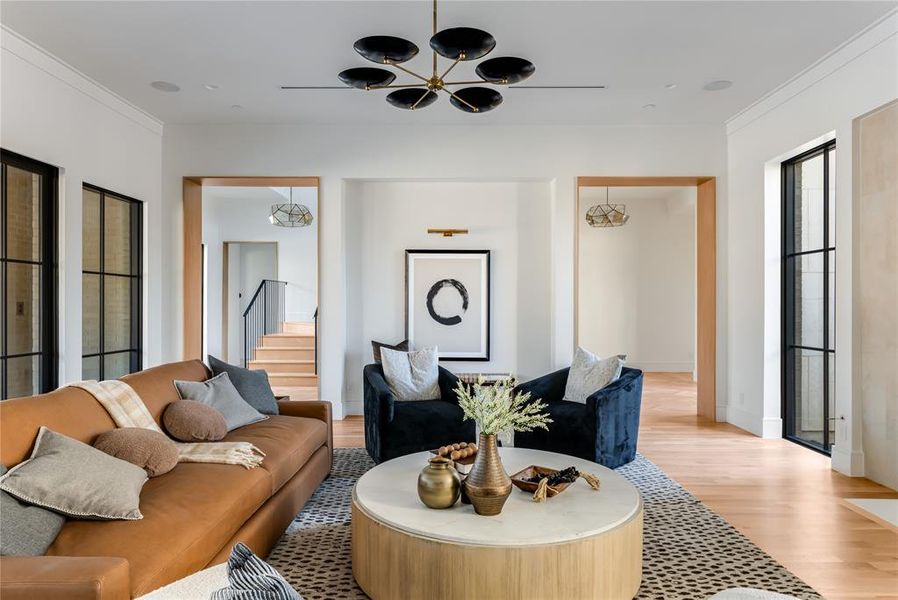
(31, 53)
(866, 40)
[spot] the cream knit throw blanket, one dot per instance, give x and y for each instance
(128, 410)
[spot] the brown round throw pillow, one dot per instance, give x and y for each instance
(148, 449)
(192, 421)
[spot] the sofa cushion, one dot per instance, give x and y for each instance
(189, 514)
(150, 450)
(192, 421)
(219, 393)
(288, 442)
(252, 384)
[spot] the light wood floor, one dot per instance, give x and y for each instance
(783, 497)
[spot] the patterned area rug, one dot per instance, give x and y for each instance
(689, 551)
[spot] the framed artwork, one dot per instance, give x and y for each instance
(447, 302)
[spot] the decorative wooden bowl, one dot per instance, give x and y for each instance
(519, 480)
(469, 460)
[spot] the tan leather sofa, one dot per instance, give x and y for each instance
(193, 515)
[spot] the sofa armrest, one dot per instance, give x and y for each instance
(69, 577)
(311, 409)
(379, 398)
(548, 388)
(616, 408)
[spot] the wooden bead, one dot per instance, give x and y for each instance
(455, 455)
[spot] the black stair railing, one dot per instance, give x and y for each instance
(264, 315)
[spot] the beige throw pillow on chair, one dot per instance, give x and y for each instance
(412, 375)
(589, 374)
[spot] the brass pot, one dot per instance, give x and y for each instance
(488, 485)
(438, 484)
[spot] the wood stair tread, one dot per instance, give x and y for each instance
(282, 361)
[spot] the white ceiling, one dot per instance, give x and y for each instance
(250, 49)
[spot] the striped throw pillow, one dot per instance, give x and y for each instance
(251, 578)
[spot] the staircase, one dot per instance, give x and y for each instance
(289, 359)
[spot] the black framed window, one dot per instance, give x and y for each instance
(28, 325)
(809, 253)
(111, 284)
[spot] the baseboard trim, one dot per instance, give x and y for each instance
(662, 366)
(744, 420)
(721, 414)
(848, 462)
(772, 428)
(353, 408)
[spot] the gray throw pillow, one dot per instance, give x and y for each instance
(26, 530)
(377, 346)
(589, 374)
(412, 375)
(74, 479)
(252, 385)
(220, 394)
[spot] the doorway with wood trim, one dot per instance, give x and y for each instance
(276, 328)
(705, 280)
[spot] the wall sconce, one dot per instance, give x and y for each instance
(448, 232)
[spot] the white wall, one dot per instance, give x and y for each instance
(53, 114)
(238, 214)
(414, 151)
(877, 290)
(637, 282)
(511, 219)
(817, 105)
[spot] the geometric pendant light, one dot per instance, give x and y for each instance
(607, 214)
(290, 214)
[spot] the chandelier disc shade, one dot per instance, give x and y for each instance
(457, 44)
(476, 99)
(364, 78)
(384, 49)
(504, 70)
(412, 98)
(462, 43)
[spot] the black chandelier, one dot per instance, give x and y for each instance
(456, 44)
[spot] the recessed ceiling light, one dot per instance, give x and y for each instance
(165, 86)
(210, 86)
(716, 86)
(236, 107)
(648, 106)
(670, 86)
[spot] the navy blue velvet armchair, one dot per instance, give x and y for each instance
(603, 430)
(396, 428)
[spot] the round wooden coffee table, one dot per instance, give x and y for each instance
(579, 544)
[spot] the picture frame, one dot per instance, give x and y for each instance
(447, 302)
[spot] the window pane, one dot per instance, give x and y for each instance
(831, 343)
(831, 357)
(809, 204)
(117, 229)
(23, 308)
(808, 284)
(809, 396)
(90, 313)
(117, 365)
(90, 230)
(117, 320)
(90, 368)
(23, 214)
(24, 376)
(832, 198)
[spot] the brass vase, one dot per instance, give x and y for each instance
(438, 484)
(488, 485)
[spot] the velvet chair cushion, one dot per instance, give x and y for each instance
(425, 425)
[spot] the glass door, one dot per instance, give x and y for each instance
(809, 254)
(28, 274)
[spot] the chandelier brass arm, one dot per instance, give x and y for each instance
(462, 100)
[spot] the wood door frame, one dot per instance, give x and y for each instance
(705, 274)
(192, 208)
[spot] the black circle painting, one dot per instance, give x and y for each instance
(432, 294)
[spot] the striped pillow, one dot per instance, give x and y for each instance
(251, 578)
